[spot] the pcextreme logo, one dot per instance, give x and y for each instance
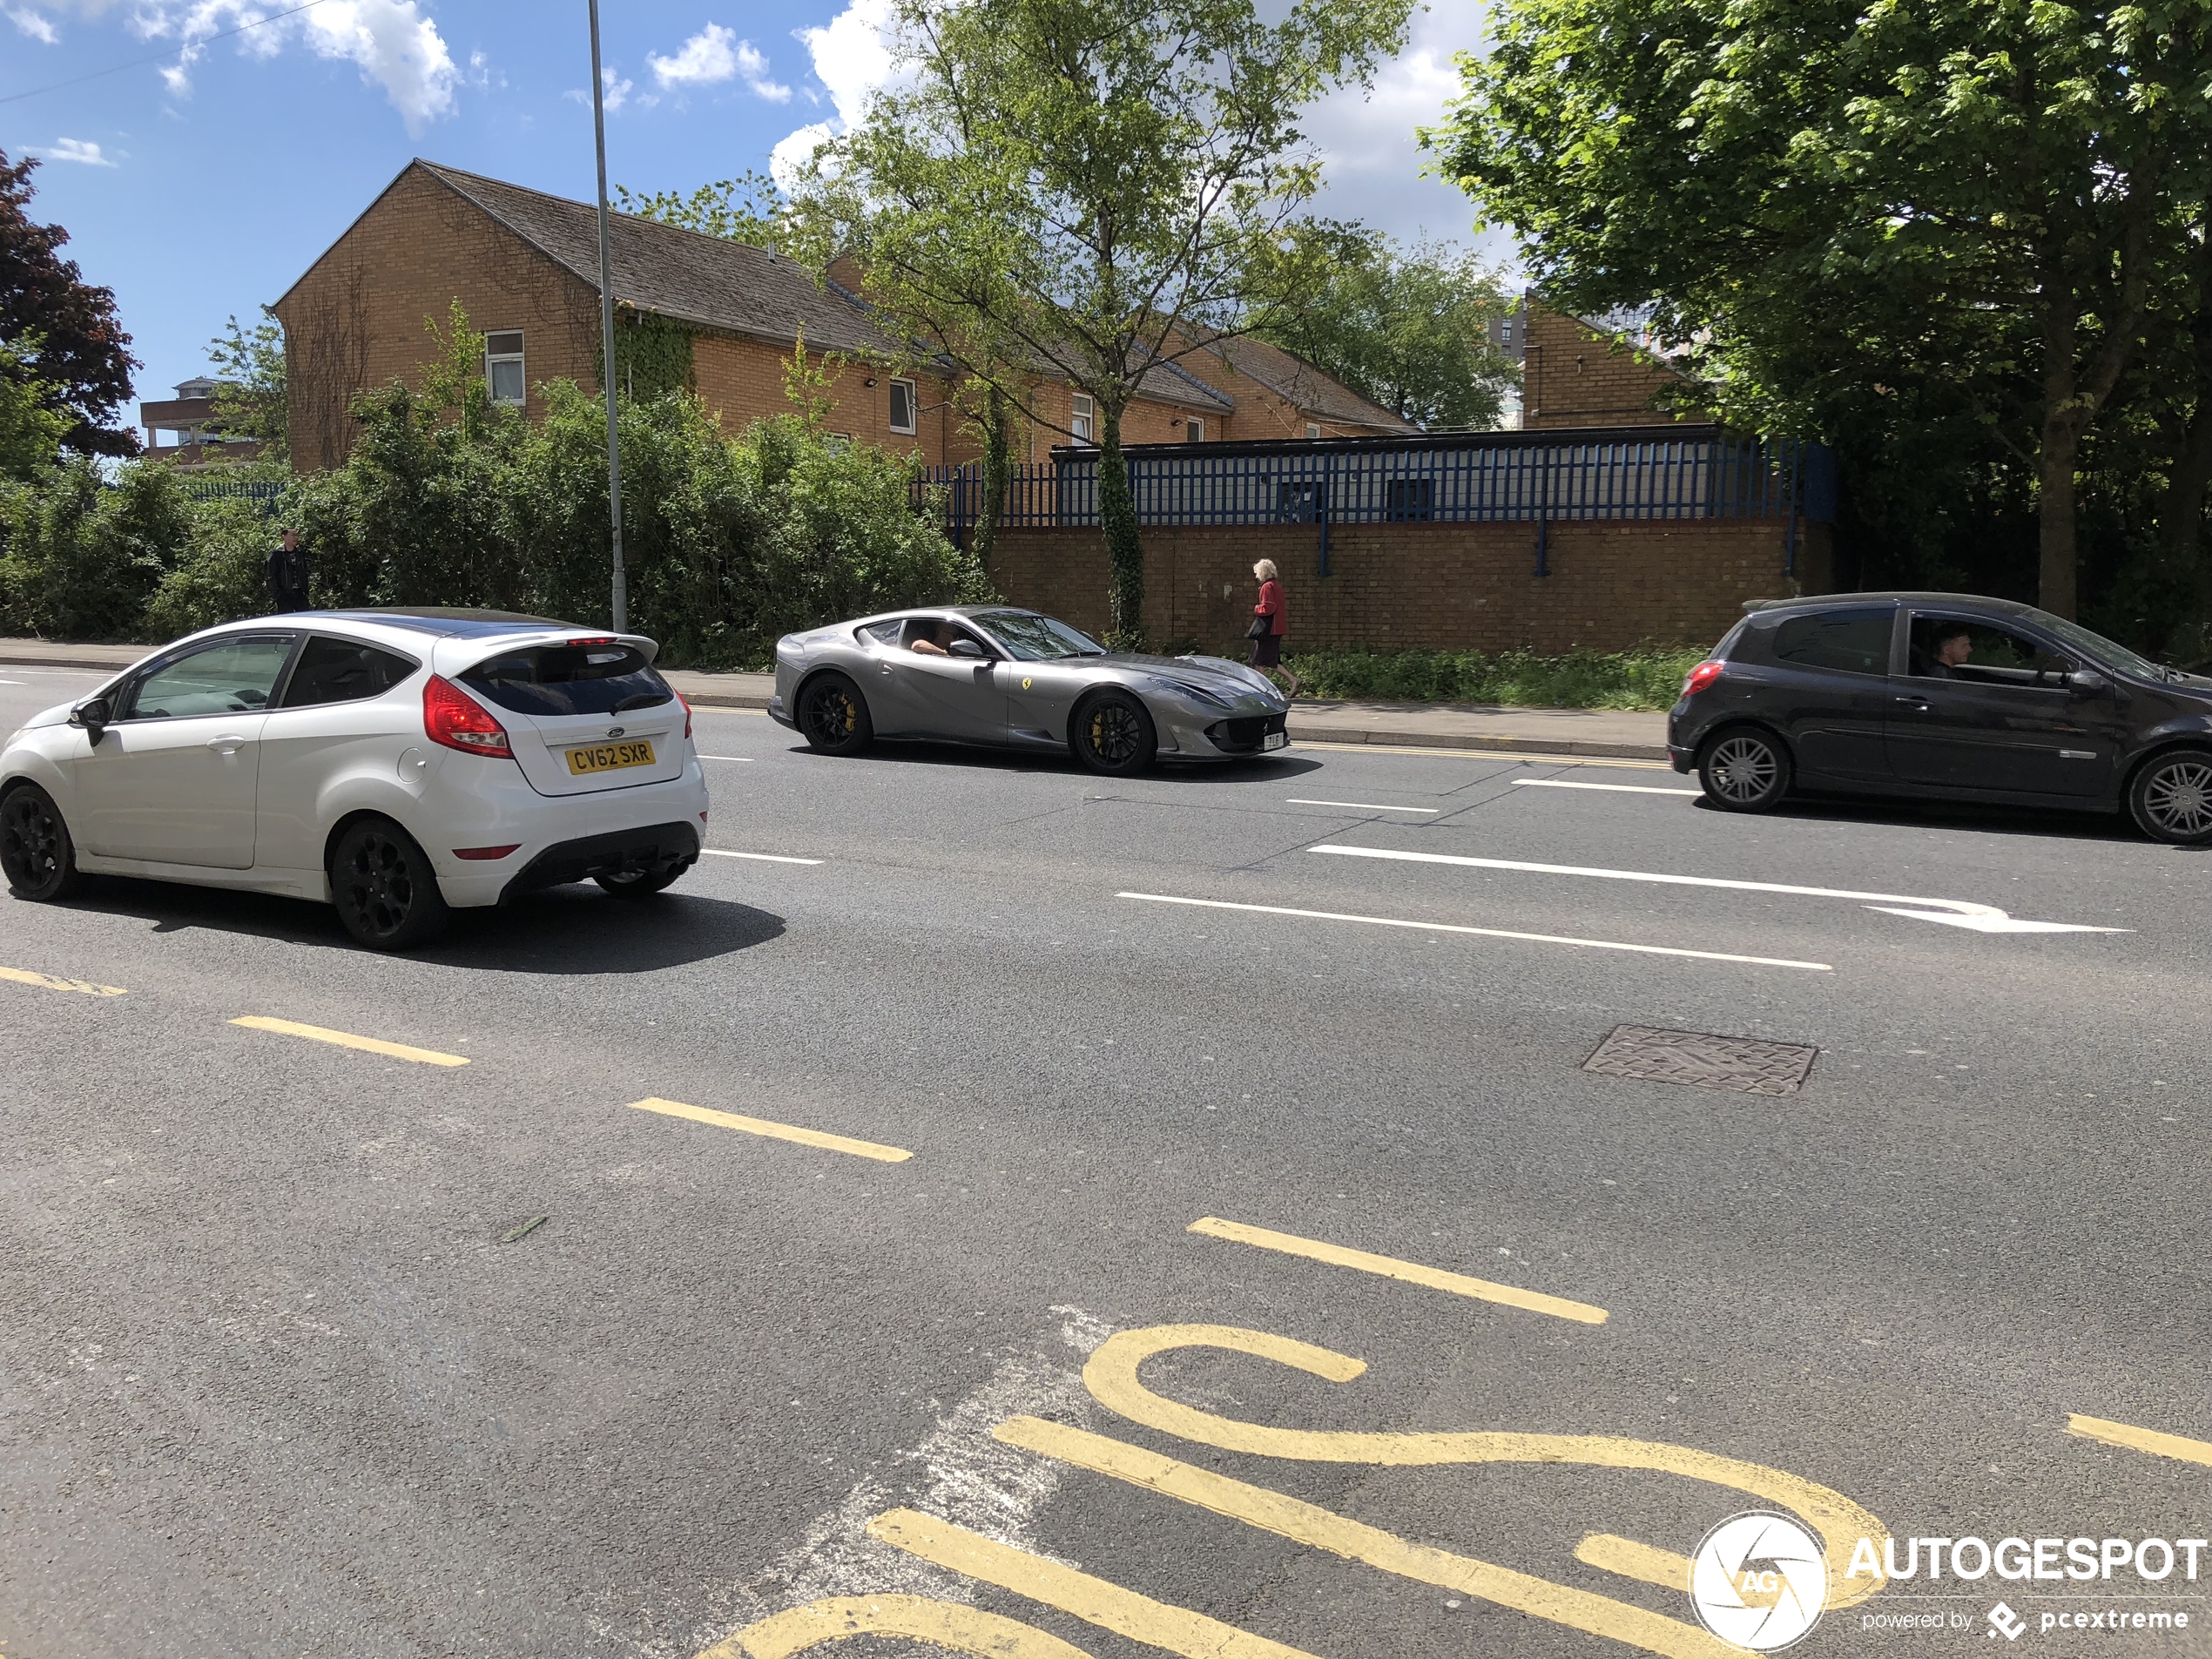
(1759, 1581)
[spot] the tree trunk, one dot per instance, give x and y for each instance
(995, 418)
(2059, 449)
(1124, 546)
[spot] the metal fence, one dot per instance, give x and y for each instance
(1539, 477)
(205, 489)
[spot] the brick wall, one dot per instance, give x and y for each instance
(355, 321)
(1430, 586)
(1573, 375)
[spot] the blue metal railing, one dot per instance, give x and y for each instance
(1443, 478)
(205, 489)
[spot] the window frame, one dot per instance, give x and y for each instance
(496, 359)
(1194, 429)
(1082, 418)
(283, 700)
(914, 407)
(2000, 678)
(1312, 430)
(1887, 670)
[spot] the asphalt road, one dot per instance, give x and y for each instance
(275, 1380)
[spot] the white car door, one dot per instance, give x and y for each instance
(340, 714)
(171, 779)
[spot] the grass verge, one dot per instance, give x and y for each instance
(1647, 677)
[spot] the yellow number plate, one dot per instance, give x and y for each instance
(610, 757)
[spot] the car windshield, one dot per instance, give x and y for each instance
(1030, 638)
(2096, 646)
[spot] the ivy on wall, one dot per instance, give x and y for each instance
(652, 355)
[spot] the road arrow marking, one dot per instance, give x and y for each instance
(1956, 912)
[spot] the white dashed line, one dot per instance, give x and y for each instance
(763, 858)
(1621, 789)
(1364, 806)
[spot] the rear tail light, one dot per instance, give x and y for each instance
(482, 854)
(1702, 676)
(686, 702)
(450, 716)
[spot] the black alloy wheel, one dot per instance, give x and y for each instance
(639, 884)
(2170, 798)
(834, 716)
(1112, 733)
(386, 892)
(36, 853)
(1744, 770)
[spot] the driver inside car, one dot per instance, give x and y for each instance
(928, 638)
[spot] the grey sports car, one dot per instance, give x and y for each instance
(1014, 680)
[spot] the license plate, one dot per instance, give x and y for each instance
(1276, 740)
(610, 757)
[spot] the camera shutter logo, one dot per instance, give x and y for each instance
(1759, 1581)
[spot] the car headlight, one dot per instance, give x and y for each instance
(1200, 693)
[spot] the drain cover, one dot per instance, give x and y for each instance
(1703, 1061)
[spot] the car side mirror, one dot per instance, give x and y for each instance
(2086, 682)
(94, 714)
(967, 648)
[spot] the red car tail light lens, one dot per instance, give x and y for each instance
(1702, 676)
(686, 702)
(485, 853)
(452, 717)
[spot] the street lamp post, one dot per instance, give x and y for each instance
(607, 334)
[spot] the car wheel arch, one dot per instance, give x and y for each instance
(1746, 723)
(2132, 767)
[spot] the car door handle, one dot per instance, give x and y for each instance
(1919, 704)
(227, 746)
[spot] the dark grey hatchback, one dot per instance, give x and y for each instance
(1945, 696)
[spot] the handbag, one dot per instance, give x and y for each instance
(1262, 626)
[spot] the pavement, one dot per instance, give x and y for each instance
(988, 1207)
(1630, 734)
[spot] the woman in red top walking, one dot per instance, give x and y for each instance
(1267, 647)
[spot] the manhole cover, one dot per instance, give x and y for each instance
(1701, 1060)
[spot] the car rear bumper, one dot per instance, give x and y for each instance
(467, 809)
(653, 849)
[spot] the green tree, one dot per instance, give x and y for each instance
(749, 208)
(1094, 187)
(251, 392)
(84, 355)
(1408, 328)
(1973, 216)
(32, 426)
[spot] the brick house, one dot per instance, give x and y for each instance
(524, 265)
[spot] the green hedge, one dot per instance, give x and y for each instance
(1649, 677)
(727, 544)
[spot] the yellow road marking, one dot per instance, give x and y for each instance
(1390, 1267)
(1322, 1528)
(1631, 1559)
(964, 1630)
(1488, 754)
(1111, 1376)
(348, 1040)
(1093, 1600)
(2139, 1440)
(55, 983)
(775, 1131)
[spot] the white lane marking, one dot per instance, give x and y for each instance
(1364, 806)
(763, 858)
(14, 682)
(1624, 789)
(1957, 913)
(1485, 933)
(1488, 754)
(748, 759)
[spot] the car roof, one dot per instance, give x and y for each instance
(1830, 601)
(446, 624)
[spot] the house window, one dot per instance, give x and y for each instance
(1312, 430)
(902, 406)
(1082, 421)
(839, 442)
(503, 368)
(1194, 432)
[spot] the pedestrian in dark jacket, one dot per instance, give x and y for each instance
(288, 573)
(1274, 611)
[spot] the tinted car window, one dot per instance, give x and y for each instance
(1964, 649)
(343, 671)
(570, 679)
(1850, 642)
(885, 633)
(233, 678)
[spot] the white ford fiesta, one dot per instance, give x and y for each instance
(393, 763)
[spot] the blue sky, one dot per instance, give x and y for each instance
(206, 183)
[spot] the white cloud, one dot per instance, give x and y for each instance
(31, 23)
(715, 55)
(393, 43)
(79, 150)
(614, 92)
(795, 150)
(852, 56)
